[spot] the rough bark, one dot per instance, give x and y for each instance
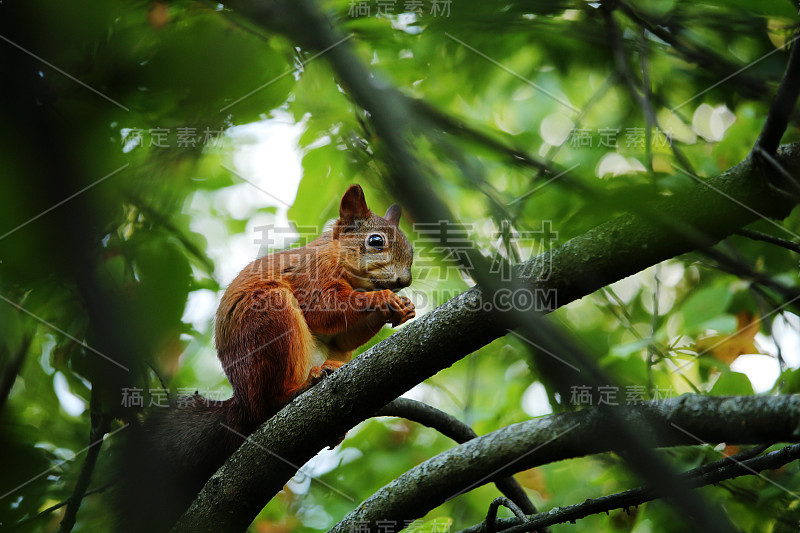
(687, 420)
(742, 464)
(460, 432)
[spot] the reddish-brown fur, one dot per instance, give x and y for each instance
(322, 300)
(282, 307)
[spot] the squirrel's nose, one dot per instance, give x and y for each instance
(403, 280)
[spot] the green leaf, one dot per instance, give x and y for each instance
(705, 305)
(164, 273)
(732, 384)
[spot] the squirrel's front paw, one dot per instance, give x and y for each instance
(403, 310)
(318, 373)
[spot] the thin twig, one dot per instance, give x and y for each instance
(553, 151)
(708, 474)
(738, 267)
(641, 95)
(758, 236)
(615, 41)
(434, 116)
(160, 379)
(162, 220)
(704, 57)
(789, 180)
(59, 505)
(782, 105)
(491, 516)
(100, 426)
(647, 94)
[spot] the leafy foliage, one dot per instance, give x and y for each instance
(140, 96)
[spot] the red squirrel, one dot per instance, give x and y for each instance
(285, 322)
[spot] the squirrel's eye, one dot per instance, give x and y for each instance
(376, 241)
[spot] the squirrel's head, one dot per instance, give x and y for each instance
(373, 250)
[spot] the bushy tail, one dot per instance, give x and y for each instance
(166, 460)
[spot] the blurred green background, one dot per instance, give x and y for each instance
(150, 150)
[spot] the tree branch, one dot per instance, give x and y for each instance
(707, 474)
(687, 420)
(758, 236)
(100, 425)
(490, 524)
(453, 428)
(782, 105)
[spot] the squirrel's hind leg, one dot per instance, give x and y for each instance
(267, 356)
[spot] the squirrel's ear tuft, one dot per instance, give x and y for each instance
(393, 214)
(354, 206)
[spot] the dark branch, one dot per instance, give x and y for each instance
(453, 428)
(447, 122)
(491, 516)
(100, 425)
(758, 236)
(788, 185)
(708, 474)
(642, 96)
(783, 104)
(739, 267)
(687, 420)
(614, 37)
(159, 219)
